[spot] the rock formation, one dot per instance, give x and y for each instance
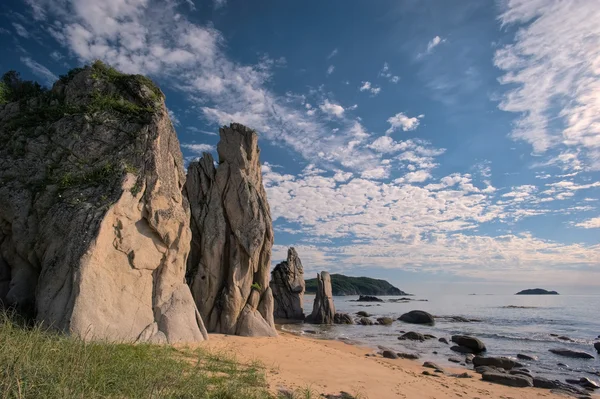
(323, 308)
(94, 231)
(287, 283)
(232, 236)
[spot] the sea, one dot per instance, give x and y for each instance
(507, 324)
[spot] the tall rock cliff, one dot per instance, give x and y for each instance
(287, 283)
(323, 307)
(94, 230)
(232, 236)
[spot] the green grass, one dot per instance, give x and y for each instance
(35, 363)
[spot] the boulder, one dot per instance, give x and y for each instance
(362, 313)
(417, 317)
(501, 362)
(544, 383)
(519, 381)
(443, 340)
(385, 321)
(432, 365)
(342, 318)
(469, 358)
(232, 236)
(597, 346)
(368, 298)
(526, 357)
(587, 383)
(287, 284)
(323, 307)
(411, 356)
(485, 369)
(365, 321)
(94, 230)
(571, 353)
(469, 342)
(412, 336)
(461, 349)
(388, 354)
(454, 360)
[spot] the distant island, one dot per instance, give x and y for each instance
(345, 285)
(536, 291)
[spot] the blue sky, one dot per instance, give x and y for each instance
(432, 143)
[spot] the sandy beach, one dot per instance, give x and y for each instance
(328, 367)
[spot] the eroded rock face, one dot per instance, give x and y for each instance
(287, 283)
(94, 231)
(232, 236)
(323, 307)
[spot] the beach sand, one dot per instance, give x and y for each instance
(328, 367)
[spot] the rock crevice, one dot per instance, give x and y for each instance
(232, 237)
(287, 283)
(94, 230)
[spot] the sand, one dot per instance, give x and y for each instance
(328, 367)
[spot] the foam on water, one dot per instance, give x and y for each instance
(525, 327)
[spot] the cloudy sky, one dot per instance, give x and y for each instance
(439, 144)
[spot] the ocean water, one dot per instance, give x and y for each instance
(505, 331)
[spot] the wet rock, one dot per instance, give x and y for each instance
(521, 372)
(519, 381)
(587, 383)
(411, 356)
(434, 366)
(342, 318)
(362, 313)
(469, 358)
(476, 345)
(456, 319)
(484, 369)
(385, 321)
(287, 284)
(365, 321)
(368, 298)
(388, 354)
(597, 346)
(501, 362)
(323, 307)
(565, 338)
(429, 336)
(417, 317)
(454, 360)
(571, 353)
(544, 383)
(562, 365)
(461, 349)
(443, 340)
(462, 375)
(412, 336)
(526, 357)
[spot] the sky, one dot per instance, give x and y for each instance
(441, 145)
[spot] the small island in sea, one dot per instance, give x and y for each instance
(344, 285)
(537, 291)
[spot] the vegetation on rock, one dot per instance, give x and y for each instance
(536, 291)
(345, 285)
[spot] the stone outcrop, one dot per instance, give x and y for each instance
(287, 284)
(94, 230)
(323, 307)
(475, 344)
(232, 236)
(417, 317)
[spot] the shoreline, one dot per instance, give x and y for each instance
(329, 366)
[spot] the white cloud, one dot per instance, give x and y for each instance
(380, 172)
(394, 79)
(21, 31)
(414, 177)
(433, 43)
(332, 108)
(552, 69)
(593, 223)
(220, 3)
(366, 86)
(40, 70)
(385, 73)
(174, 119)
(330, 69)
(196, 130)
(352, 107)
(332, 54)
(198, 149)
(401, 121)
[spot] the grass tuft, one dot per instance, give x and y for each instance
(37, 363)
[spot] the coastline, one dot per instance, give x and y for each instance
(329, 367)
